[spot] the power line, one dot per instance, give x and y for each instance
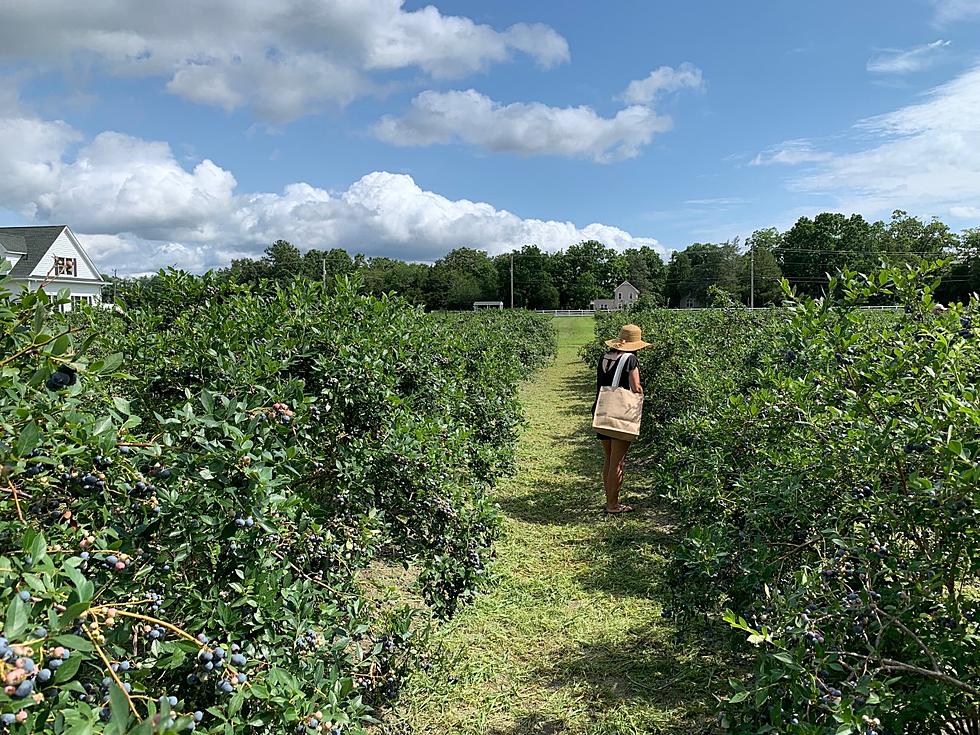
(776, 251)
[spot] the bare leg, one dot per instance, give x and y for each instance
(606, 448)
(617, 468)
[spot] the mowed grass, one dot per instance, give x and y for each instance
(570, 638)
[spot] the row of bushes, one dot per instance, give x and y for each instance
(822, 461)
(197, 490)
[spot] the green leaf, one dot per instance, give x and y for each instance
(74, 642)
(27, 440)
(118, 707)
(67, 670)
(59, 346)
(39, 548)
(784, 657)
(739, 697)
(111, 363)
(121, 404)
(16, 622)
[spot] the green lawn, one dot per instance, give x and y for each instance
(570, 639)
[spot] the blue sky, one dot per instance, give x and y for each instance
(167, 136)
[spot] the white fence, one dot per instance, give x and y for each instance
(567, 312)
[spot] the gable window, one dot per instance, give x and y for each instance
(65, 266)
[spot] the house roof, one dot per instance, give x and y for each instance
(627, 283)
(34, 242)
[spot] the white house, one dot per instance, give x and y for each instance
(625, 294)
(51, 258)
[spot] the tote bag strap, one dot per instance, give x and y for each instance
(619, 369)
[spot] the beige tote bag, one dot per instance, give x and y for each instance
(618, 410)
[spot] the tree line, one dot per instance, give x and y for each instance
(570, 279)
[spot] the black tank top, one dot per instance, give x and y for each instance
(606, 370)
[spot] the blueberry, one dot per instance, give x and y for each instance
(226, 687)
(314, 723)
(219, 653)
(124, 665)
(7, 718)
(43, 675)
(172, 700)
(24, 595)
(56, 381)
(198, 715)
(85, 555)
(242, 678)
(237, 659)
(54, 663)
(24, 689)
(202, 638)
(111, 559)
(41, 633)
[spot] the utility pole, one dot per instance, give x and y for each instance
(512, 280)
(323, 270)
(115, 285)
(752, 276)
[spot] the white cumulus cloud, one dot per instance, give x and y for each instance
(283, 58)
(925, 158)
(138, 208)
(533, 128)
(905, 61)
(523, 128)
(663, 80)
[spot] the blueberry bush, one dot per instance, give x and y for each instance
(822, 463)
(197, 488)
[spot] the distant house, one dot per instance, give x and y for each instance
(690, 301)
(480, 305)
(624, 295)
(51, 258)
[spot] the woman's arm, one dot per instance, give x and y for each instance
(635, 381)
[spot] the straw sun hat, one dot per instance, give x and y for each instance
(629, 339)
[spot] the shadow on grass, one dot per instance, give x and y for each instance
(649, 669)
(534, 724)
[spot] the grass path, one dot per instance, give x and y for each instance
(570, 639)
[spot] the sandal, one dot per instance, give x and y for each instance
(621, 508)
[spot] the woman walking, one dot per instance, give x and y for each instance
(621, 367)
